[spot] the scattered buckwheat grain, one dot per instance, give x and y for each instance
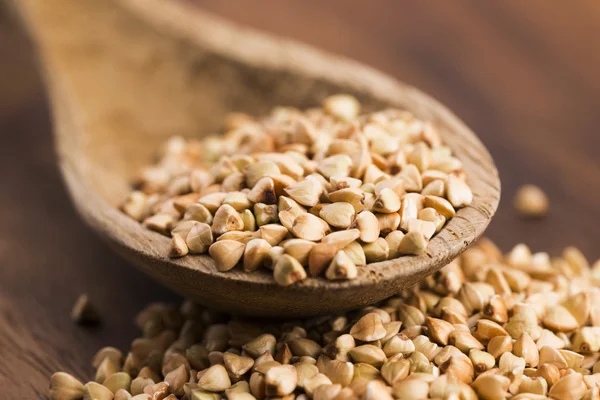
(531, 202)
(84, 312)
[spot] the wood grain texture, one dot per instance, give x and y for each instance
(521, 74)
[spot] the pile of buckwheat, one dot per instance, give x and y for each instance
(325, 189)
(519, 326)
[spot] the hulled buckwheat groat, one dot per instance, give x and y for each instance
(531, 202)
(519, 326)
(373, 187)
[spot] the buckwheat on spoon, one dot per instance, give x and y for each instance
(319, 192)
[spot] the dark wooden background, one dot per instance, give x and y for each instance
(522, 74)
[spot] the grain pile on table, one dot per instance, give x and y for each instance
(324, 189)
(520, 326)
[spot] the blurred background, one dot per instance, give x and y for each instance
(522, 74)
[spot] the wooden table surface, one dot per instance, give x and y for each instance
(523, 75)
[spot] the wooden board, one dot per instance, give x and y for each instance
(521, 74)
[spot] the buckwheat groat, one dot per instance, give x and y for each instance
(531, 202)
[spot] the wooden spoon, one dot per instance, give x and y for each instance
(124, 75)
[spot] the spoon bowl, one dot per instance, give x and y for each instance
(124, 75)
